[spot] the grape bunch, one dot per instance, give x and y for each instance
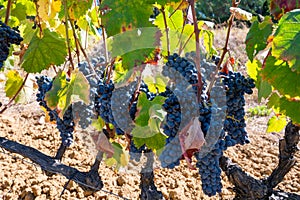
(172, 153)
(64, 125)
(210, 170)
(8, 36)
(180, 105)
(121, 100)
(212, 115)
(237, 85)
(85, 113)
(103, 103)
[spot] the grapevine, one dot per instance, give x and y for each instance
(154, 90)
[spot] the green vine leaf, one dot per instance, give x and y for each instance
(126, 15)
(287, 106)
(280, 76)
(150, 116)
(286, 42)
(64, 92)
(145, 135)
(134, 46)
(144, 107)
(256, 39)
(44, 51)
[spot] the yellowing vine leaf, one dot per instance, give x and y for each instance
(276, 123)
(47, 9)
(13, 83)
(64, 92)
(241, 14)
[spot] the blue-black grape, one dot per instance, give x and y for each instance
(210, 170)
(8, 36)
(180, 105)
(103, 103)
(64, 125)
(237, 85)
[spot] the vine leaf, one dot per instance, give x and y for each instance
(286, 41)
(48, 9)
(149, 118)
(102, 144)
(149, 137)
(253, 68)
(176, 30)
(147, 108)
(135, 14)
(280, 76)
(254, 71)
(13, 83)
(256, 39)
(134, 46)
(288, 106)
(276, 123)
(120, 158)
(156, 83)
(279, 7)
(19, 11)
(44, 51)
(64, 92)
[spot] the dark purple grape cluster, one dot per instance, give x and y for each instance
(209, 169)
(8, 36)
(103, 103)
(180, 105)
(64, 125)
(237, 86)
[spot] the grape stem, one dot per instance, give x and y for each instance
(15, 96)
(76, 41)
(196, 31)
(225, 48)
(67, 34)
(7, 14)
(167, 29)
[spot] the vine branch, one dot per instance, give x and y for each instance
(89, 181)
(247, 187)
(167, 29)
(67, 34)
(7, 14)
(225, 48)
(198, 67)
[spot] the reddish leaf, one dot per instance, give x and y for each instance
(279, 7)
(103, 144)
(191, 139)
(232, 60)
(225, 69)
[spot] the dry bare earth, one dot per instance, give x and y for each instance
(25, 124)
